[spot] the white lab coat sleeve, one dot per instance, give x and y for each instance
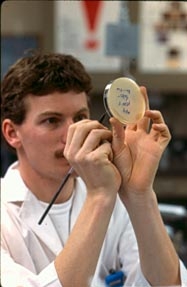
(129, 258)
(183, 274)
(141, 281)
(14, 275)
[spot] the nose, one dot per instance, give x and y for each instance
(66, 125)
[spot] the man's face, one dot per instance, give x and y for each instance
(44, 131)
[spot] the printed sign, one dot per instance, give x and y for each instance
(80, 30)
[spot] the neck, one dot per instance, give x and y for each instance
(45, 188)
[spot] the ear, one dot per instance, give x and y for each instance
(10, 132)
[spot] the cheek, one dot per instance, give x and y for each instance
(35, 143)
(32, 138)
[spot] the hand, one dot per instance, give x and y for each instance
(138, 149)
(88, 149)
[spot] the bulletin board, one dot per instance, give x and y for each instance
(163, 36)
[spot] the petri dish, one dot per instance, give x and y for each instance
(124, 101)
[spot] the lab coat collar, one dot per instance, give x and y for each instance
(30, 213)
(12, 185)
(13, 191)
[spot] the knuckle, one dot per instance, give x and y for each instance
(94, 159)
(94, 132)
(79, 157)
(70, 155)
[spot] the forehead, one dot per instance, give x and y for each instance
(57, 101)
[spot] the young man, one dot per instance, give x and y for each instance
(106, 217)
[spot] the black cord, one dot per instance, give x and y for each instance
(55, 196)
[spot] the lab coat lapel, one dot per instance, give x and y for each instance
(30, 213)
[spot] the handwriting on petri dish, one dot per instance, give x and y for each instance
(123, 99)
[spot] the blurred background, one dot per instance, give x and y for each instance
(143, 40)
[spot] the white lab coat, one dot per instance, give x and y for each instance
(29, 249)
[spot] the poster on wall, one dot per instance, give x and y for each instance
(80, 30)
(13, 47)
(163, 36)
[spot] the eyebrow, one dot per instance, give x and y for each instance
(83, 110)
(58, 114)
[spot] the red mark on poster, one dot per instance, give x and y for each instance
(92, 10)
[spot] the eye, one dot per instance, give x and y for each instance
(80, 117)
(52, 121)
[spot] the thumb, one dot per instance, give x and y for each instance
(118, 136)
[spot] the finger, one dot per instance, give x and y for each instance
(103, 151)
(71, 131)
(155, 116)
(94, 139)
(144, 123)
(144, 93)
(118, 135)
(159, 130)
(78, 132)
(162, 131)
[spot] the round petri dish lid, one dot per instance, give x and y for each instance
(124, 101)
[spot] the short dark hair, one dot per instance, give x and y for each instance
(40, 74)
